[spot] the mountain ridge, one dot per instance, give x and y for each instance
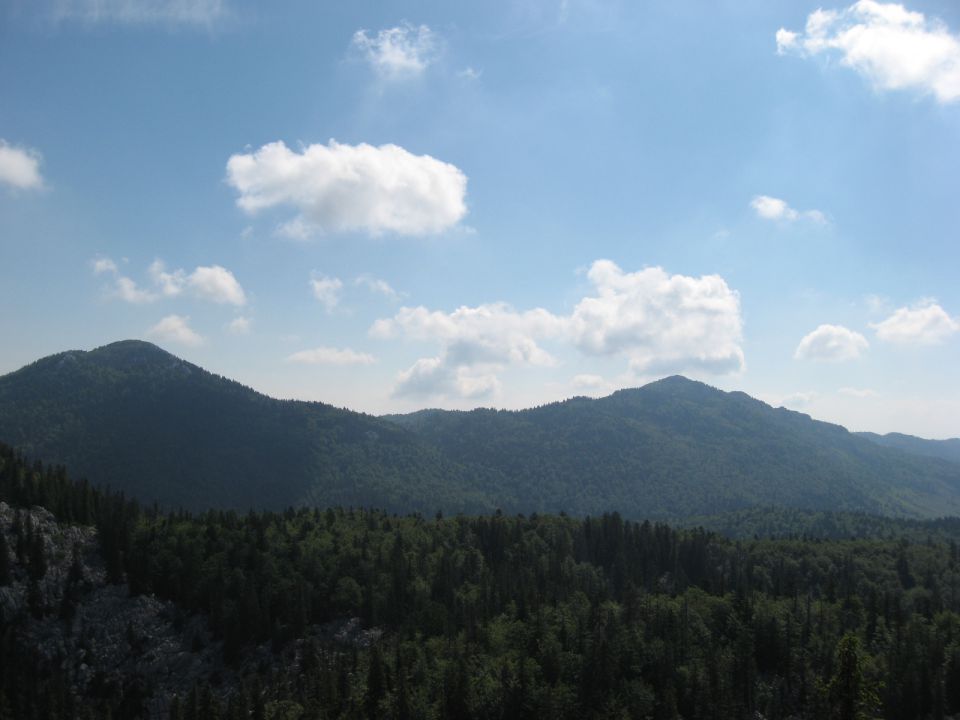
(137, 418)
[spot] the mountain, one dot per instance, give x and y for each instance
(678, 447)
(944, 449)
(136, 418)
(141, 420)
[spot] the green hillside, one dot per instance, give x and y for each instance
(678, 447)
(136, 418)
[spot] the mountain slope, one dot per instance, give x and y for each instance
(141, 420)
(944, 449)
(678, 447)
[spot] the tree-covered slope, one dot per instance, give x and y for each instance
(944, 449)
(141, 420)
(677, 447)
(137, 418)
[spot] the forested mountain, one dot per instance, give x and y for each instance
(353, 614)
(161, 429)
(945, 449)
(678, 447)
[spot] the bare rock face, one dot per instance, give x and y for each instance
(67, 617)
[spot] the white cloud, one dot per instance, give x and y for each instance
(832, 343)
(169, 284)
(327, 290)
(141, 12)
(331, 356)
(771, 208)
(476, 343)
(127, 290)
(924, 324)
(239, 326)
(217, 284)
(798, 399)
(858, 392)
(213, 283)
(470, 73)
(378, 286)
(19, 167)
(103, 265)
(338, 187)
(659, 322)
(894, 48)
(175, 329)
(398, 52)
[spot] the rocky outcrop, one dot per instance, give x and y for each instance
(96, 634)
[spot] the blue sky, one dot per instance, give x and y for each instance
(389, 206)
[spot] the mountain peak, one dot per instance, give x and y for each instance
(129, 354)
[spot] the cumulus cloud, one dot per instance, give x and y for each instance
(399, 52)
(894, 48)
(831, 342)
(19, 167)
(923, 324)
(216, 284)
(327, 290)
(213, 283)
(331, 356)
(141, 12)
(239, 326)
(337, 187)
(771, 208)
(659, 322)
(175, 329)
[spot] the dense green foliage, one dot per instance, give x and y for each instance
(676, 448)
(160, 429)
(524, 617)
(141, 420)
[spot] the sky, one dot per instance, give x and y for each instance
(394, 205)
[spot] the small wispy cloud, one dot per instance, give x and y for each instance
(326, 290)
(399, 52)
(239, 326)
(858, 392)
(771, 208)
(331, 356)
(377, 286)
(141, 12)
(175, 329)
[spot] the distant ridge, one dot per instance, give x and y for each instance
(944, 449)
(138, 418)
